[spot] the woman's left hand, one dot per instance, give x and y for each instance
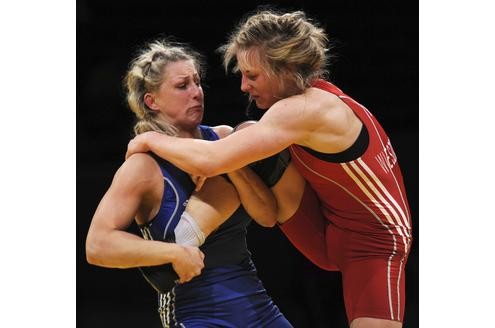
(137, 145)
(199, 181)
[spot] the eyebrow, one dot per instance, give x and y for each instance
(183, 77)
(246, 71)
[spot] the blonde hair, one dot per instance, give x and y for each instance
(145, 74)
(285, 43)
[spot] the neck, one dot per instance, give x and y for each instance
(192, 133)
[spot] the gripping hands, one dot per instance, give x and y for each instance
(188, 262)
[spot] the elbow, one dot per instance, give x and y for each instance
(266, 216)
(271, 222)
(92, 258)
(267, 220)
(268, 224)
(94, 250)
(271, 216)
(91, 255)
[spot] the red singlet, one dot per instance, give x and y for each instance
(366, 220)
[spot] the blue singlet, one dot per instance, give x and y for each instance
(228, 293)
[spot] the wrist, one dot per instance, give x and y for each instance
(238, 174)
(172, 252)
(233, 174)
(149, 139)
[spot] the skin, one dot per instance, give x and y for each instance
(288, 191)
(314, 118)
(180, 99)
(137, 188)
(133, 193)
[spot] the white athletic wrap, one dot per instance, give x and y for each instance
(187, 231)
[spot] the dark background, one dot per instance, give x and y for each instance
(376, 63)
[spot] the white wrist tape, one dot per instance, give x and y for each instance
(187, 231)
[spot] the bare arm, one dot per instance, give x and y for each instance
(107, 242)
(255, 196)
(288, 192)
(213, 204)
(278, 128)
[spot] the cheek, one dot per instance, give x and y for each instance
(174, 107)
(265, 85)
(180, 99)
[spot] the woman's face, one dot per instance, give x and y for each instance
(180, 98)
(255, 81)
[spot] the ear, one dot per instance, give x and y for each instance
(149, 100)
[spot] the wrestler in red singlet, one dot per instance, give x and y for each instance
(368, 228)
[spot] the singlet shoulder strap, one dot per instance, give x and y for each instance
(208, 133)
(355, 151)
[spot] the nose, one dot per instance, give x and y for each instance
(197, 91)
(244, 84)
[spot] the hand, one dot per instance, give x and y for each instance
(199, 181)
(137, 145)
(189, 263)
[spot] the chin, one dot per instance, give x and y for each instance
(198, 119)
(198, 123)
(262, 106)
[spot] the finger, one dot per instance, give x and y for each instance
(129, 147)
(199, 183)
(194, 178)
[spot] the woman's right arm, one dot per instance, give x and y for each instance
(285, 123)
(107, 242)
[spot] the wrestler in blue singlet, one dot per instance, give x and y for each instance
(228, 292)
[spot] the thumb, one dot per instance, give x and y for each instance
(200, 181)
(129, 149)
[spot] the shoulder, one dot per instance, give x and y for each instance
(331, 111)
(314, 111)
(140, 171)
(305, 106)
(317, 107)
(222, 130)
(138, 161)
(297, 111)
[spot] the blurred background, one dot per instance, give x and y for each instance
(375, 62)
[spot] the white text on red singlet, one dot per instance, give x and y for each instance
(387, 158)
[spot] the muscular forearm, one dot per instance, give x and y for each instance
(211, 158)
(120, 249)
(256, 197)
(190, 155)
